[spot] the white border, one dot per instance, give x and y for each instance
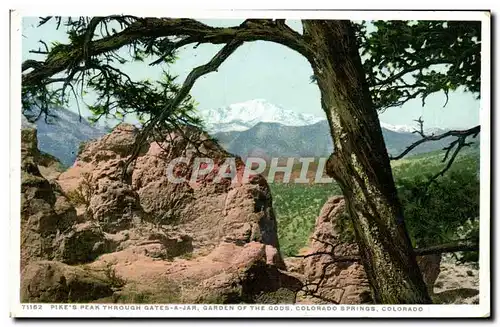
(66, 10)
(485, 160)
(246, 311)
(481, 310)
(15, 158)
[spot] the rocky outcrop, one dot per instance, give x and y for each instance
(55, 282)
(339, 282)
(49, 166)
(229, 274)
(82, 243)
(457, 283)
(157, 242)
(45, 211)
(210, 212)
(430, 266)
(144, 239)
(145, 236)
(345, 282)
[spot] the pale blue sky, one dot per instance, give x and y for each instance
(270, 71)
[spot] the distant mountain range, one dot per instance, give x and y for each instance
(252, 128)
(245, 115)
(275, 140)
(259, 128)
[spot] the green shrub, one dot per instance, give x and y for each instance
(444, 212)
(83, 193)
(296, 207)
(435, 214)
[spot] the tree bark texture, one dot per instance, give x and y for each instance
(361, 165)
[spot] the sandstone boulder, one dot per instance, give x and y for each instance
(114, 205)
(84, 242)
(344, 282)
(457, 283)
(95, 178)
(229, 274)
(55, 282)
(210, 212)
(430, 266)
(339, 282)
(157, 242)
(45, 211)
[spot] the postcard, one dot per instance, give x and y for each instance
(251, 163)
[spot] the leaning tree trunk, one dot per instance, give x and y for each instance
(360, 164)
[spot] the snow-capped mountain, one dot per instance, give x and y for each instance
(241, 127)
(62, 135)
(260, 126)
(398, 128)
(411, 129)
(245, 115)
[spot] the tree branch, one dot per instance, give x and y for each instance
(250, 30)
(39, 52)
(344, 258)
(31, 63)
(426, 64)
(196, 73)
(460, 143)
(459, 246)
(461, 134)
(89, 34)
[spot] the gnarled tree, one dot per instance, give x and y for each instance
(351, 93)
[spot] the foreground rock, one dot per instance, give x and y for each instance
(229, 274)
(82, 243)
(167, 243)
(45, 211)
(210, 212)
(55, 282)
(144, 237)
(332, 280)
(339, 282)
(457, 283)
